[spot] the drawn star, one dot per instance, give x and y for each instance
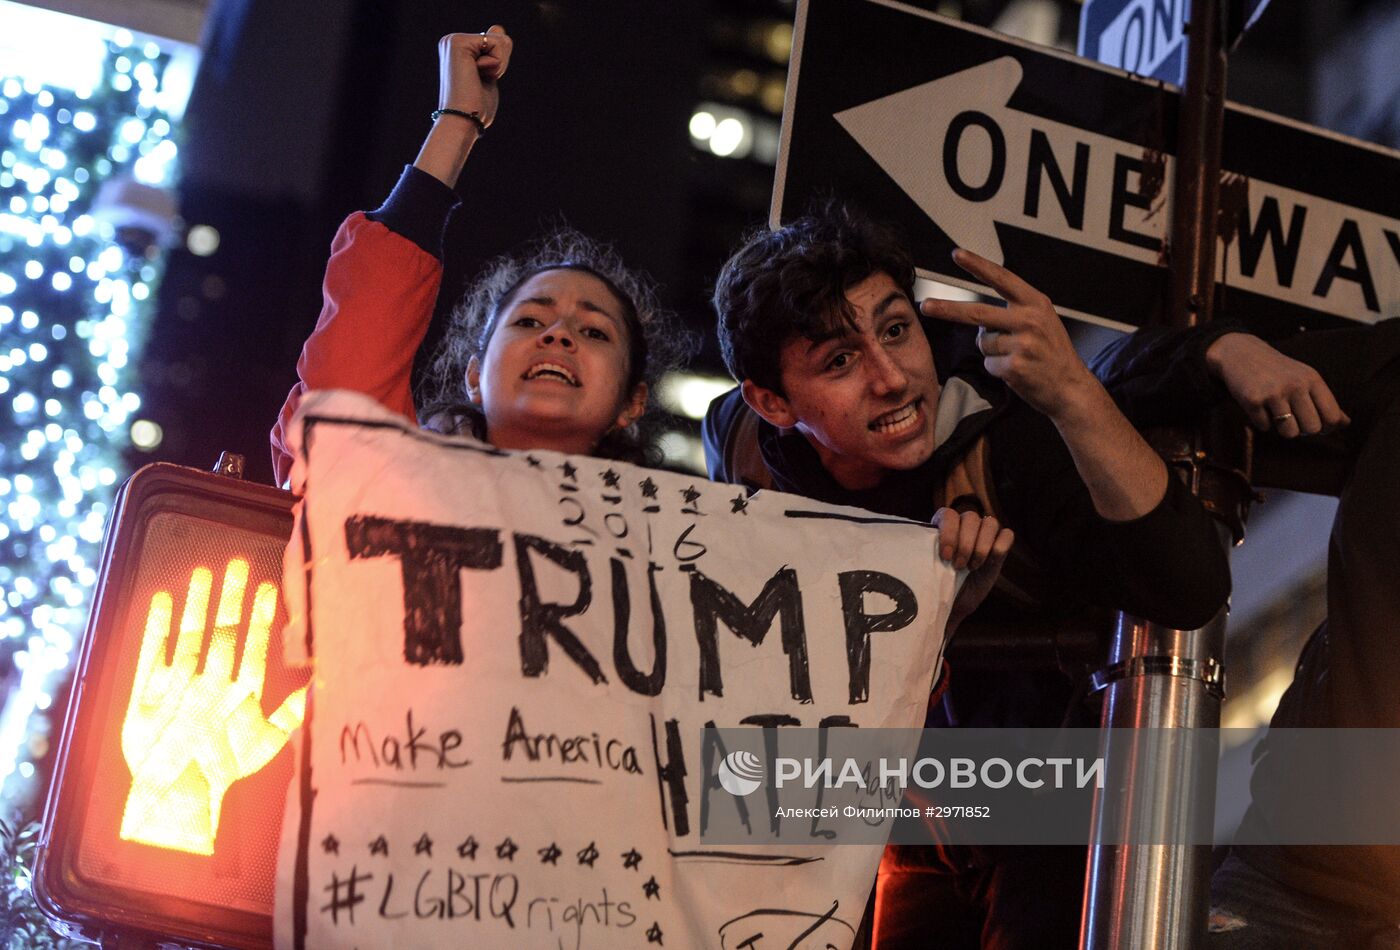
(610, 478)
(588, 855)
(652, 889)
(331, 845)
(423, 845)
(631, 859)
(654, 933)
(550, 855)
(648, 488)
(534, 462)
(467, 849)
(506, 849)
(379, 845)
(739, 506)
(690, 495)
(569, 471)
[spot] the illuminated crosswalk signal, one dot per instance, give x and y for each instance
(166, 805)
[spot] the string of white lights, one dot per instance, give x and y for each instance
(78, 275)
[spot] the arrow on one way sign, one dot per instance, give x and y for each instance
(971, 162)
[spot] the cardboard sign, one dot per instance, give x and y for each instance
(516, 656)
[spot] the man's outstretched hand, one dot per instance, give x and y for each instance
(976, 544)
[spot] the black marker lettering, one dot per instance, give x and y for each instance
(769, 723)
(540, 620)
(648, 684)
(670, 776)
(431, 557)
(779, 598)
(860, 625)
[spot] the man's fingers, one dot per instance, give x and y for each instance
(1260, 418)
(967, 539)
(999, 366)
(969, 313)
(992, 342)
(1327, 406)
(1282, 419)
(986, 537)
(1001, 547)
(1309, 422)
(1010, 287)
(947, 522)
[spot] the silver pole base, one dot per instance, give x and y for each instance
(1154, 896)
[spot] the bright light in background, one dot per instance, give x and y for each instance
(51, 49)
(65, 52)
(731, 132)
(689, 394)
(702, 125)
(202, 240)
(146, 435)
(87, 116)
(680, 450)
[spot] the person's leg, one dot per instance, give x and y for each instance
(1252, 911)
(1034, 898)
(921, 902)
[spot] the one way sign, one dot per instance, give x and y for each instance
(1062, 169)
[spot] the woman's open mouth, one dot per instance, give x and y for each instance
(555, 371)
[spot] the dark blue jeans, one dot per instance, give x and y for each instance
(1252, 911)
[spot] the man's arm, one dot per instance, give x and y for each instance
(1161, 376)
(1025, 345)
(1168, 566)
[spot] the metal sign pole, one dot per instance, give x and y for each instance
(1156, 896)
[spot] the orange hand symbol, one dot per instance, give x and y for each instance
(189, 735)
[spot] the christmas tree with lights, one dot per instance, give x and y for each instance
(85, 177)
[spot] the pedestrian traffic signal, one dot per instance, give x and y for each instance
(166, 805)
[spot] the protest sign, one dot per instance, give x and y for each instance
(515, 659)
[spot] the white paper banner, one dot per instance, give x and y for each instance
(515, 656)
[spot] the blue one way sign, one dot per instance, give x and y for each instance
(1148, 37)
(1062, 169)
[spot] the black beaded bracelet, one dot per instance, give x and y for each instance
(473, 117)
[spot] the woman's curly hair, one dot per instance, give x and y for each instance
(656, 341)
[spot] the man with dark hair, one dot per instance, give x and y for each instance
(843, 398)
